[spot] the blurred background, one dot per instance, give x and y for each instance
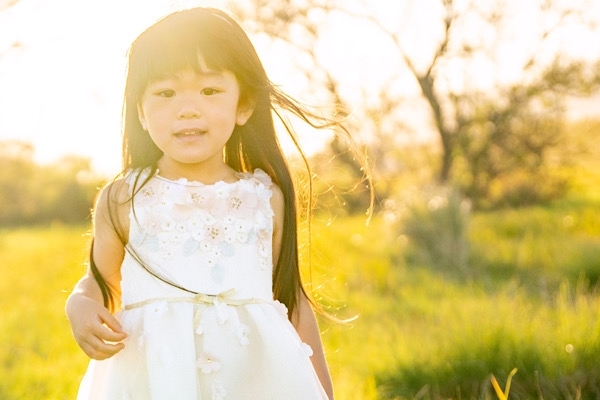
(480, 121)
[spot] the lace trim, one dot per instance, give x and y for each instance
(258, 175)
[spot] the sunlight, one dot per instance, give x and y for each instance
(62, 67)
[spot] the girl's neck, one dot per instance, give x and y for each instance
(195, 173)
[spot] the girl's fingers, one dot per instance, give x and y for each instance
(111, 322)
(101, 341)
(99, 350)
(109, 328)
(103, 333)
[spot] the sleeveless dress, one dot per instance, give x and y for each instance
(227, 340)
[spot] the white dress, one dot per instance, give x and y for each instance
(231, 340)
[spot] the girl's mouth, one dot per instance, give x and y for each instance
(189, 133)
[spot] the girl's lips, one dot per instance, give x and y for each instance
(189, 133)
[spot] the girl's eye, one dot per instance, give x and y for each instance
(166, 93)
(209, 91)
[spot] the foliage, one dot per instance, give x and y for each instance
(488, 127)
(435, 221)
(498, 141)
(528, 305)
(16, 182)
(32, 193)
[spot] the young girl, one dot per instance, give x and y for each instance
(195, 244)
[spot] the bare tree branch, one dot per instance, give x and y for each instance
(465, 110)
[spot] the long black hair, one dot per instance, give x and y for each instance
(177, 43)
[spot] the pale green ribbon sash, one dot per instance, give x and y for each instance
(200, 298)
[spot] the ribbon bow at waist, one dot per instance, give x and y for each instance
(200, 298)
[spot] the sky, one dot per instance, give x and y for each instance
(62, 68)
(62, 71)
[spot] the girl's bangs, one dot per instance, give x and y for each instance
(169, 48)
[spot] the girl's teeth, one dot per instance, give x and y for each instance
(191, 133)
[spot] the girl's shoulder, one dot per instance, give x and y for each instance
(113, 191)
(112, 202)
(120, 188)
(258, 176)
(134, 177)
(273, 192)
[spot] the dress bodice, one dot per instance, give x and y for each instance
(206, 238)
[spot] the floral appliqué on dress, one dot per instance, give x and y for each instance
(187, 218)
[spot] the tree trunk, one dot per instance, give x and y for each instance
(426, 84)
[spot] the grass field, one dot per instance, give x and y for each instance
(38, 358)
(530, 302)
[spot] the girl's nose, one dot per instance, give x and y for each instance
(188, 114)
(189, 107)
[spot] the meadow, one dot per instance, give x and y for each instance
(529, 300)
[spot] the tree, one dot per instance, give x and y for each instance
(69, 190)
(457, 64)
(17, 202)
(35, 194)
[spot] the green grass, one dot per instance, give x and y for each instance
(530, 302)
(38, 358)
(425, 333)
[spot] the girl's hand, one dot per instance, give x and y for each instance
(94, 327)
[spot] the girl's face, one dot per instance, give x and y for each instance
(191, 116)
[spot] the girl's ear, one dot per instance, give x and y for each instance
(244, 112)
(141, 116)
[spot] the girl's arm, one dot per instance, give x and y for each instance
(306, 325)
(303, 317)
(95, 329)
